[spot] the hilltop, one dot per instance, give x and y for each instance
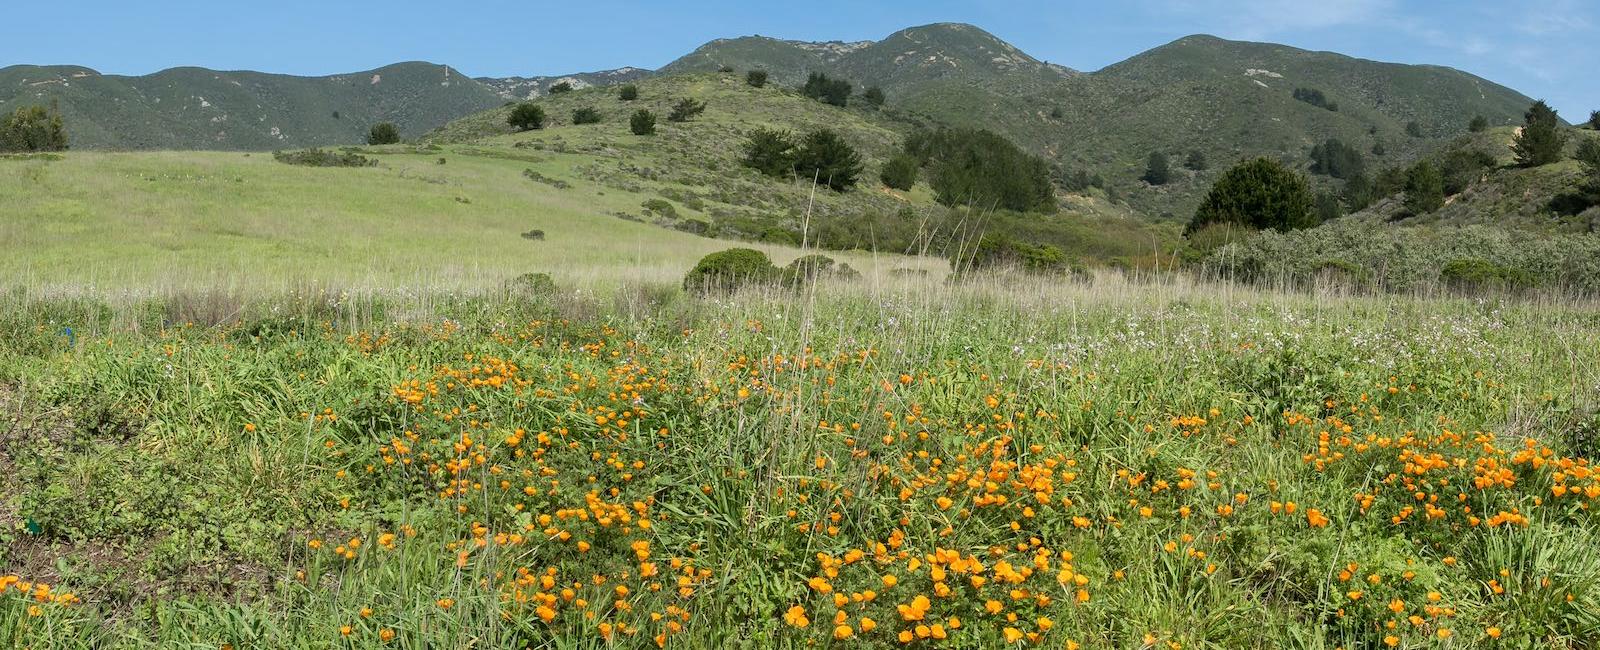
(197, 108)
(531, 87)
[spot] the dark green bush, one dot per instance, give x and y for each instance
(1196, 161)
(628, 93)
(33, 128)
(586, 115)
(686, 109)
(756, 78)
(831, 91)
(811, 268)
(1424, 189)
(1259, 193)
(825, 156)
(561, 87)
(1478, 124)
(643, 122)
(526, 117)
(321, 158)
(873, 97)
(1474, 274)
(980, 168)
(1157, 171)
(900, 172)
(998, 251)
(728, 270)
(770, 152)
(383, 133)
(1337, 159)
(1541, 139)
(1315, 98)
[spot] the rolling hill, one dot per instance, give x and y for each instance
(196, 108)
(531, 87)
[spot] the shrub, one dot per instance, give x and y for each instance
(827, 158)
(831, 91)
(810, 268)
(874, 97)
(900, 172)
(529, 285)
(770, 152)
(383, 133)
(1424, 189)
(1156, 169)
(643, 122)
(1479, 274)
(1541, 138)
(1315, 98)
(561, 87)
(726, 69)
(628, 92)
(526, 117)
(1196, 161)
(320, 158)
(1359, 193)
(586, 115)
(686, 109)
(1478, 124)
(1259, 193)
(534, 235)
(661, 207)
(33, 128)
(1000, 251)
(1413, 129)
(756, 78)
(1328, 207)
(1460, 167)
(729, 270)
(1337, 159)
(1056, 113)
(969, 166)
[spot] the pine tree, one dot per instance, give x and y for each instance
(526, 117)
(1594, 120)
(383, 133)
(561, 87)
(1541, 138)
(826, 157)
(685, 110)
(1259, 193)
(770, 152)
(900, 172)
(1424, 189)
(1156, 169)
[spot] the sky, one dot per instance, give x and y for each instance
(1544, 48)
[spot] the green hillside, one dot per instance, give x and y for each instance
(196, 108)
(530, 87)
(696, 167)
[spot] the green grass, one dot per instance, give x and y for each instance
(190, 485)
(149, 221)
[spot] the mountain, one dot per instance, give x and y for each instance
(531, 87)
(1225, 99)
(196, 108)
(904, 60)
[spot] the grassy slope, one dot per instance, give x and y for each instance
(700, 159)
(145, 220)
(196, 108)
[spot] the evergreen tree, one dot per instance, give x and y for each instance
(900, 172)
(561, 87)
(1259, 193)
(1196, 161)
(643, 122)
(1541, 138)
(383, 133)
(770, 152)
(979, 168)
(1156, 169)
(33, 128)
(1358, 193)
(832, 91)
(874, 97)
(1337, 159)
(1328, 207)
(1479, 123)
(826, 157)
(1589, 155)
(685, 110)
(526, 117)
(586, 115)
(1424, 189)
(1594, 120)
(756, 78)
(628, 93)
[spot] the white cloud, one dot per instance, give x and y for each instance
(1552, 17)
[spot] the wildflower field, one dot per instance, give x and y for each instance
(866, 464)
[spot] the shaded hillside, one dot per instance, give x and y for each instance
(196, 108)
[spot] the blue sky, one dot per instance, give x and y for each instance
(1545, 48)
